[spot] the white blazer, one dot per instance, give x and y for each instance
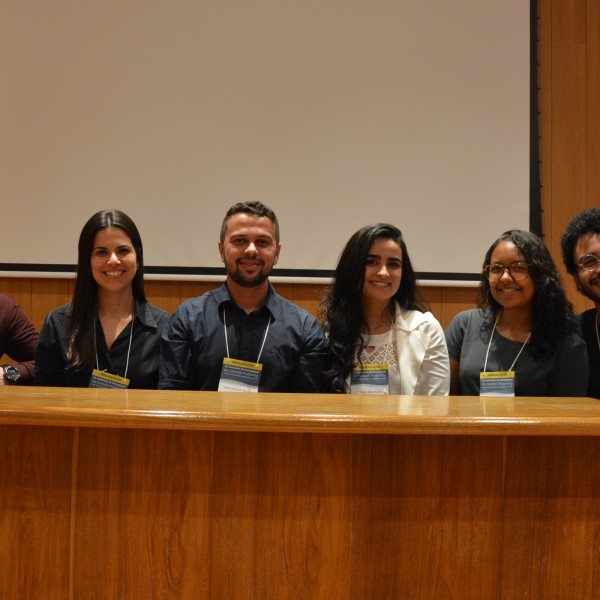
(422, 354)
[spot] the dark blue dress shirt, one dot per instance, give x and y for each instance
(193, 344)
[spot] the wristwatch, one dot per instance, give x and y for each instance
(11, 375)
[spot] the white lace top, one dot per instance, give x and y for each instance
(381, 349)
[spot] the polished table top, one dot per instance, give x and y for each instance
(230, 411)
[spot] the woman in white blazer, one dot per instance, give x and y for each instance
(382, 339)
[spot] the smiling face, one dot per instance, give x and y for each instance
(588, 281)
(383, 271)
(249, 249)
(511, 294)
(114, 260)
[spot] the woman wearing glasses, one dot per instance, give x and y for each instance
(521, 341)
(381, 338)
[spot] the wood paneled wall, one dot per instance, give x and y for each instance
(569, 105)
(39, 296)
(569, 113)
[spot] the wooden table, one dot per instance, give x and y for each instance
(159, 494)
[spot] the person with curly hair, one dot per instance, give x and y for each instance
(522, 339)
(580, 245)
(381, 337)
(109, 334)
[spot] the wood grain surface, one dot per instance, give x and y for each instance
(336, 413)
(100, 512)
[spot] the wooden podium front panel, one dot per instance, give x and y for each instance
(287, 515)
(281, 518)
(141, 513)
(35, 511)
(427, 517)
(551, 518)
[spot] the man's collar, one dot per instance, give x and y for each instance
(224, 295)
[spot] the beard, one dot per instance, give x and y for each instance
(244, 279)
(589, 290)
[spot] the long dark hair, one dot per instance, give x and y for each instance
(84, 305)
(341, 311)
(552, 315)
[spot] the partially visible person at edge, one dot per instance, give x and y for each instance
(109, 335)
(381, 337)
(243, 336)
(18, 341)
(581, 254)
(522, 339)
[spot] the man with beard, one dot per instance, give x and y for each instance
(581, 254)
(243, 336)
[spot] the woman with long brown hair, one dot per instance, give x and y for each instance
(108, 335)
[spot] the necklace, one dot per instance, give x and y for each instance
(381, 324)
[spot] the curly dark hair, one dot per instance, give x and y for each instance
(84, 305)
(552, 312)
(587, 221)
(341, 312)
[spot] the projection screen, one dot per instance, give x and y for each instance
(336, 113)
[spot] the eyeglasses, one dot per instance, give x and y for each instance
(589, 262)
(518, 271)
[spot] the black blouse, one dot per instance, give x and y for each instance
(51, 358)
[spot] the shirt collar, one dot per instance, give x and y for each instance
(271, 303)
(144, 314)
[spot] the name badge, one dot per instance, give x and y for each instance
(103, 379)
(370, 379)
(239, 376)
(497, 383)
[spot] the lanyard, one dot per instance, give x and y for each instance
(128, 349)
(490, 343)
(227, 341)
